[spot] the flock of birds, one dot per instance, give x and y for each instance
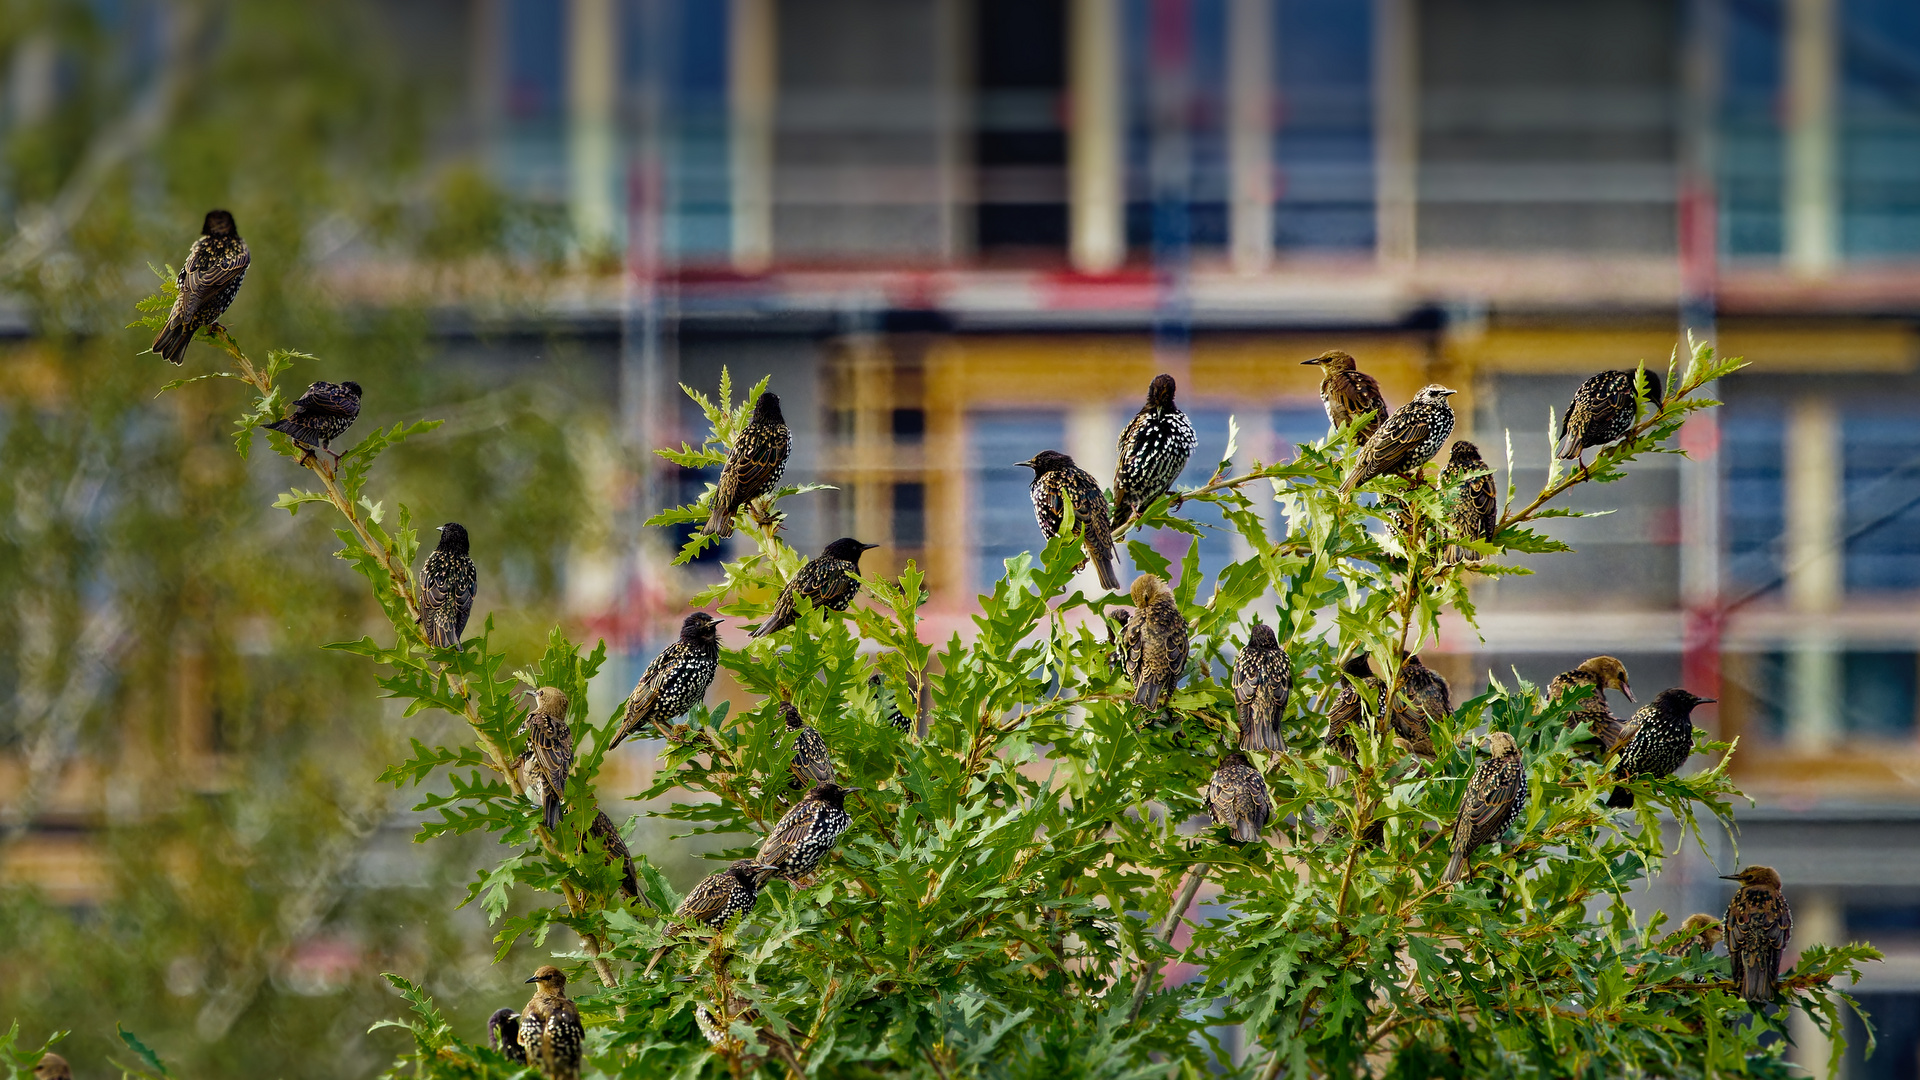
(1150, 644)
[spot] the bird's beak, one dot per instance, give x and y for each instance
(1028, 463)
(1627, 690)
(1315, 360)
(1450, 393)
(535, 979)
(851, 790)
(1705, 700)
(868, 547)
(1729, 877)
(439, 528)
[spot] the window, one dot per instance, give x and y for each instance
(1002, 516)
(1323, 151)
(1882, 522)
(1896, 1024)
(1880, 129)
(910, 516)
(1879, 698)
(909, 425)
(1020, 142)
(1750, 144)
(1751, 438)
(1176, 141)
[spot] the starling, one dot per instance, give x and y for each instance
(604, 830)
(1496, 796)
(676, 680)
(503, 1035)
(1699, 933)
(1602, 673)
(759, 457)
(1056, 479)
(827, 580)
(1601, 411)
(811, 763)
(208, 282)
(447, 583)
(550, 1030)
(717, 898)
(320, 415)
(1472, 500)
(1661, 742)
(548, 758)
(1124, 654)
(1237, 798)
(889, 703)
(1758, 926)
(1152, 452)
(1407, 440)
(1159, 639)
(1262, 677)
(1348, 392)
(1349, 708)
(1424, 701)
(801, 840)
(53, 1066)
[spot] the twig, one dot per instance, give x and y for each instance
(1148, 967)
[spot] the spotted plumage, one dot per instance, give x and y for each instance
(1262, 678)
(1661, 742)
(676, 680)
(1424, 701)
(604, 830)
(503, 1035)
(1348, 711)
(1496, 797)
(811, 764)
(1472, 500)
(1601, 411)
(1124, 655)
(1160, 638)
(208, 282)
(804, 836)
(1699, 934)
(1758, 926)
(1152, 452)
(548, 759)
(1348, 393)
(1237, 798)
(717, 898)
(826, 580)
(550, 1028)
(753, 467)
(1056, 480)
(320, 415)
(1406, 441)
(448, 580)
(1603, 673)
(889, 703)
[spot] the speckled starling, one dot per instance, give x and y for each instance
(676, 680)
(321, 415)
(1262, 678)
(604, 830)
(759, 457)
(1496, 796)
(1699, 934)
(1348, 392)
(1124, 653)
(52, 1067)
(1237, 798)
(1152, 451)
(550, 1028)
(1056, 479)
(548, 758)
(1160, 637)
(804, 836)
(1348, 711)
(503, 1035)
(447, 584)
(889, 703)
(1472, 500)
(1661, 742)
(1601, 411)
(1758, 926)
(1424, 701)
(826, 580)
(717, 898)
(1407, 441)
(1603, 673)
(208, 282)
(811, 764)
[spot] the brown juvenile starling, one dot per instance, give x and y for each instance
(1348, 392)
(447, 584)
(1152, 451)
(1408, 439)
(503, 1035)
(208, 282)
(1603, 673)
(759, 457)
(1700, 933)
(1057, 479)
(1349, 708)
(1262, 678)
(1601, 411)
(320, 415)
(1160, 638)
(1661, 742)
(548, 759)
(889, 703)
(802, 838)
(550, 1029)
(1472, 500)
(1758, 925)
(1424, 702)
(827, 580)
(1496, 796)
(717, 898)
(1237, 798)
(53, 1066)
(677, 680)
(604, 830)
(811, 763)
(1124, 654)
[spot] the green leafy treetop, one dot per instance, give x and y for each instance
(1021, 854)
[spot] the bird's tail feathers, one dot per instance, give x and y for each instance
(1456, 868)
(1103, 566)
(1621, 799)
(298, 432)
(720, 522)
(553, 809)
(1246, 831)
(1755, 985)
(1569, 447)
(659, 954)
(1147, 694)
(173, 340)
(1352, 481)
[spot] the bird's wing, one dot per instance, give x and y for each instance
(1396, 440)
(754, 465)
(1358, 392)
(1487, 804)
(1245, 681)
(1481, 498)
(208, 270)
(329, 398)
(836, 586)
(707, 900)
(551, 744)
(640, 701)
(789, 831)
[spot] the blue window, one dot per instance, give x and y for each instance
(1324, 144)
(1879, 697)
(1882, 521)
(1751, 437)
(1750, 143)
(1880, 128)
(1002, 515)
(1176, 163)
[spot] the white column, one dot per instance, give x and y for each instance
(1818, 919)
(592, 78)
(953, 47)
(1396, 130)
(1250, 132)
(752, 86)
(1815, 485)
(1097, 180)
(1812, 195)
